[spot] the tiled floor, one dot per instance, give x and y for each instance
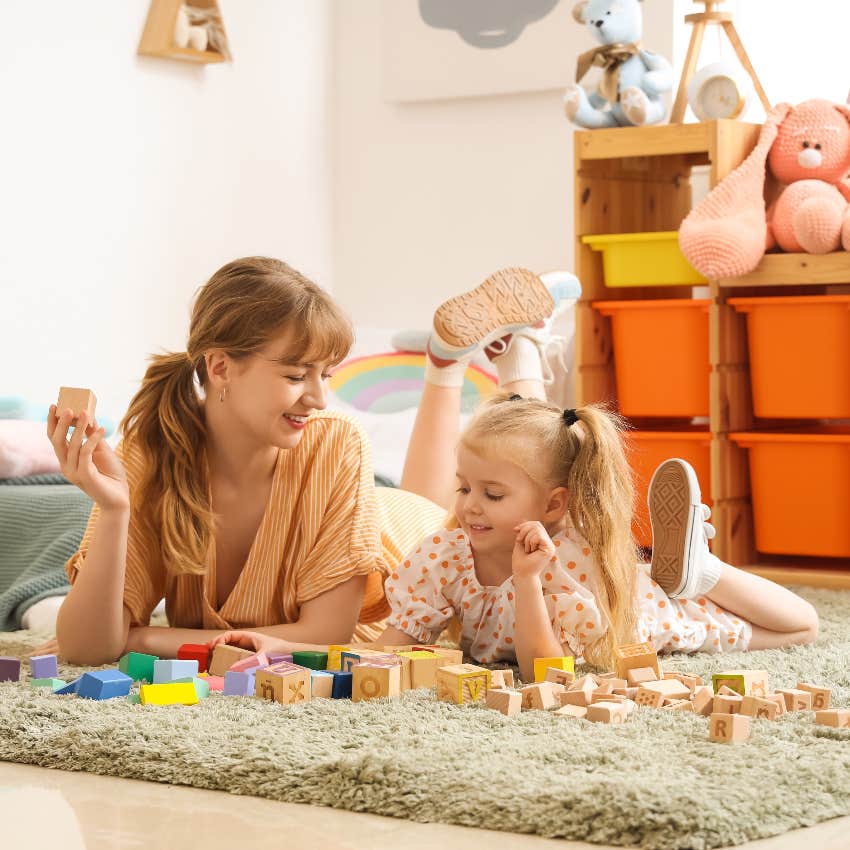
(41, 809)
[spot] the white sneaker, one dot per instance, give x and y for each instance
(681, 562)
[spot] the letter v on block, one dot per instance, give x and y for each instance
(474, 688)
(296, 687)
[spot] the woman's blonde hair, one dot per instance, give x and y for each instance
(587, 457)
(242, 308)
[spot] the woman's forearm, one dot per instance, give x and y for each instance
(92, 624)
(533, 635)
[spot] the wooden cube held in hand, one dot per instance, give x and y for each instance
(78, 400)
(224, 656)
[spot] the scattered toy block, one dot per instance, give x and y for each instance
(47, 667)
(104, 684)
(321, 684)
(629, 656)
(451, 657)
(462, 683)
(138, 666)
(165, 671)
(538, 696)
(727, 704)
(372, 681)
(638, 675)
(202, 685)
(134, 699)
(559, 676)
(820, 696)
(285, 683)
(311, 659)
(507, 702)
(423, 668)
(541, 665)
(199, 652)
(70, 688)
(608, 698)
(48, 682)
(669, 688)
(335, 650)
(278, 657)
(678, 705)
(796, 700)
(497, 679)
(580, 692)
(348, 659)
(224, 657)
(508, 678)
(765, 709)
(10, 669)
(78, 400)
(577, 711)
(240, 683)
(649, 699)
(252, 662)
(342, 685)
(747, 683)
(725, 690)
(837, 717)
(171, 693)
(729, 728)
(703, 699)
(604, 687)
(216, 683)
(779, 700)
(690, 679)
(606, 712)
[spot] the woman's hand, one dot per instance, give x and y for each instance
(91, 464)
(533, 550)
(253, 641)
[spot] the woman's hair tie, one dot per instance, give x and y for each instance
(515, 397)
(570, 416)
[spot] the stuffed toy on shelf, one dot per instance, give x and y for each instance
(807, 150)
(633, 79)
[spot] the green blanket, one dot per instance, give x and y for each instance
(42, 521)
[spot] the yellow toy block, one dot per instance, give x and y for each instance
(335, 650)
(224, 657)
(371, 681)
(285, 683)
(628, 656)
(541, 665)
(462, 683)
(747, 683)
(172, 693)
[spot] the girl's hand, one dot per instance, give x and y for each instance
(91, 465)
(253, 641)
(533, 550)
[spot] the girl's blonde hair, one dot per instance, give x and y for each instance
(587, 458)
(243, 307)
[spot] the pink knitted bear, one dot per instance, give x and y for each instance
(807, 149)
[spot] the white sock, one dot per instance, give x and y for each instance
(712, 566)
(521, 362)
(450, 375)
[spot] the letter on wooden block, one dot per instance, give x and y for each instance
(541, 665)
(285, 683)
(539, 696)
(560, 677)
(423, 668)
(462, 683)
(796, 700)
(729, 728)
(508, 702)
(747, 683)
(820, 696)
(370, 681)
(631, 655)
(725, 704)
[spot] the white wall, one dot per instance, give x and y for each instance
(126, 180)
(431, 197)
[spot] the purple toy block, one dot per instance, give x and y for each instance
(239, 683)
(277, 657)
(10, 669)
(44, 667)
(104, 684)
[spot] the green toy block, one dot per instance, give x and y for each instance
(53, 684)
(202, 686)
(311, 659)
(138, 666)
(134, 699)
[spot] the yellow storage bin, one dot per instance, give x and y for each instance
(644, 259)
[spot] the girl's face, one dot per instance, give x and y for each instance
(271, 395)
(493, 497)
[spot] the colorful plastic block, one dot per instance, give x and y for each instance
(321, 683)
(10, 669)
(278, 657)
(165, 671)
(199, 652)
(53, 684)
(311, 659)
(138, 666)
(342, 685)
(334, 653)
(134, 699)
(252, 662)
(216, 683)
(104, 684)
(44, 667)
(202, 685)
(239, 683)
(541, 665)
(173, 693)
(70, 688)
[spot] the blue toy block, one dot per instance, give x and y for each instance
(104, 684)
(10, 669)
(342, 685)
(44, 667)
(239, 684)
(70, 688)
(170, 671)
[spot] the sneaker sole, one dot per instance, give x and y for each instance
(510, 297)
(674, 511)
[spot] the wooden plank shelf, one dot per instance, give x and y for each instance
(794, 270)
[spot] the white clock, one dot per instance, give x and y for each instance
(718, 90)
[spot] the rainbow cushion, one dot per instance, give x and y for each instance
(385, 383)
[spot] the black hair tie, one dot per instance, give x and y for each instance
(570, 416)
(515, 397)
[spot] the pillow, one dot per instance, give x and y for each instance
(25, 449)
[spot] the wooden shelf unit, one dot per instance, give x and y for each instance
(636, 179)
(158, 36)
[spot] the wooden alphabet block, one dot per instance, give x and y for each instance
(224, 656)
(796, 700)
(678, 705)
(635, 655)
(371, 681)
(78, 400)
(606, 712)
(607, 698)
(559, 676)
(285, 683)
(571, 711)
(450, 656)
(501, 678)
(669, 688)
(507, 702)
(726, 704)
(703, 700)
(725, 690)
(747, 683)
(462, 683)
(541, 665)
(648, 699)
(540, 696)
(837, 717)
(638, 675)
(779, 700)
(349, 658)
(580, 692)
(729, 728)
(689, 679)
(765, 709)
(423, 668)
(321, 684)
(820, 696)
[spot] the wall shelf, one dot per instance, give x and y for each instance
(158, 36)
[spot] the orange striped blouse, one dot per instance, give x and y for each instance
(324, 523)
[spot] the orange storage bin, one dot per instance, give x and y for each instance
(660, 355)
(647, 449)
(801, 491)
(799, 355)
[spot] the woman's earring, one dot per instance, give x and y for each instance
(223, 394)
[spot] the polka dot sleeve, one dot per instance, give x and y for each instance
(415, 589)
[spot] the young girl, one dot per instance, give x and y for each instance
(538, 559)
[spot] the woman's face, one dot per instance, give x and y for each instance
(272, 395)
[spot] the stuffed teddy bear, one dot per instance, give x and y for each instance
(633, 79)
(807, 149)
